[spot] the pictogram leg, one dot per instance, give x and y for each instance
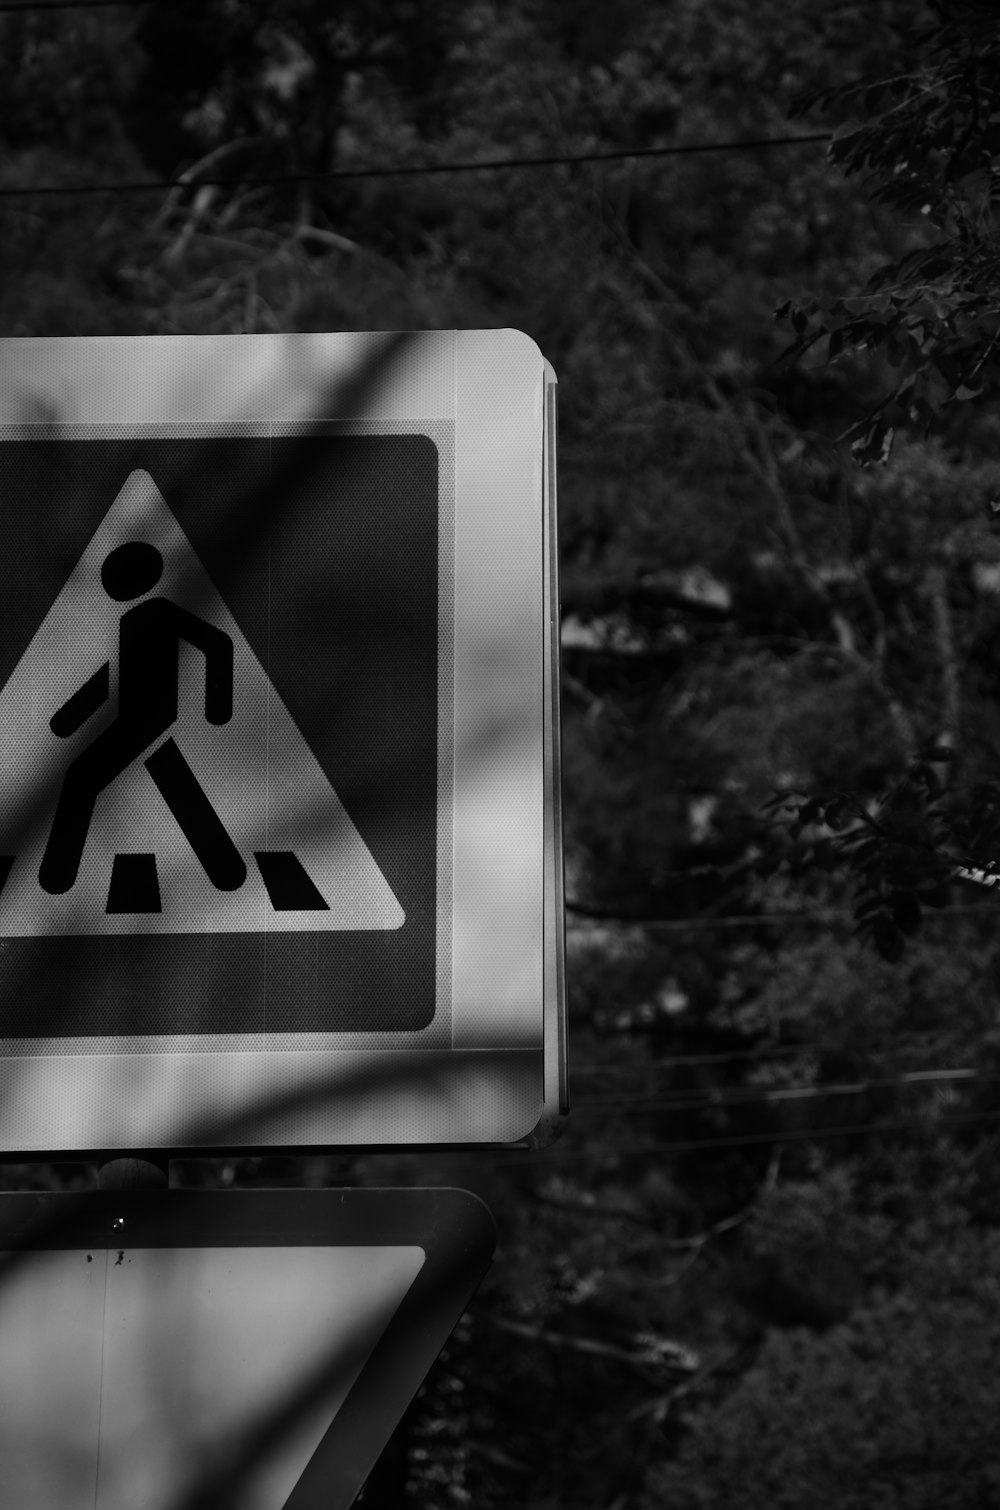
(198, 820)
(94, 769)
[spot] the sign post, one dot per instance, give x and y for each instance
(280, 854)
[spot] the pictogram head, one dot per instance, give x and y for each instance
(131, 569)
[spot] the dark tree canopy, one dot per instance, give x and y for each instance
(771, 1219)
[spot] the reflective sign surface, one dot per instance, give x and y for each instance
(193, 1348)
(279, 848)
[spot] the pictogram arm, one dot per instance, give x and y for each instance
(83, 704)
(217, 648)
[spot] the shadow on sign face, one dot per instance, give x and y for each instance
(226, 706)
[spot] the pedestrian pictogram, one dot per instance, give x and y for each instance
(149, 637)
(179, 795)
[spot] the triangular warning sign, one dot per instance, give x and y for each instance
(205, 1347)
(153, 779)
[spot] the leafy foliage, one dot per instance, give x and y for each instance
(763, 1217)
(892, 1409)
(929, 149)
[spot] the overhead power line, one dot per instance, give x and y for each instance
(10, 7)
(583, 917)
(747, 1140)
(761, 1052)
(424, 170)
(750, 1095)
(601, 1151)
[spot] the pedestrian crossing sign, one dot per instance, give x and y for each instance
(222, 851)
(279, 831)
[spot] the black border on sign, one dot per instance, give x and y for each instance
(453, 1227)
(324, 544)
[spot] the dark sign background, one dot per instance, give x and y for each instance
(325, 549)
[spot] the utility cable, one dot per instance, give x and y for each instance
(747, 1140)
(522, 1158)
(752, 1095)
(11, 7)
(762, 1053)
(582, 918)
(340, 175)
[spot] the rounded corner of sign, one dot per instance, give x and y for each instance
(471, 1216)
(508, 344)
(522, 340)
(548, 1129)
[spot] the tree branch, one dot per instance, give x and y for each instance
(659, 1353)
(936, 583)
(637, 592)
(697, 1240)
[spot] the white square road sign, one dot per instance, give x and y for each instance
(280, 856)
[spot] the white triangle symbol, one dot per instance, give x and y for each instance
(134, 1371)
(306, 866)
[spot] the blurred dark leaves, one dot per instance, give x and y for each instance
(780, 689)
